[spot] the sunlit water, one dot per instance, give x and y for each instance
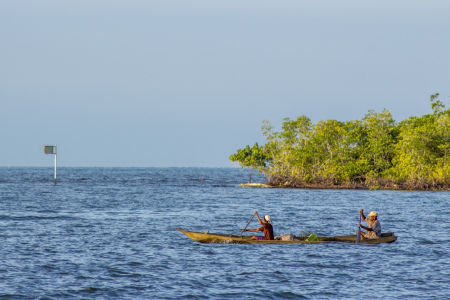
(110, 233)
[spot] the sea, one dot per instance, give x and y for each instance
(111, 233)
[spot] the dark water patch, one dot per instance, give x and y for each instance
(135, 264)
(35, 217)
(120, 273)
(192, 296)
(9, 296)
(287, 295)
(425, 241)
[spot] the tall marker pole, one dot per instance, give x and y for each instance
(55, 164)
(51, 150)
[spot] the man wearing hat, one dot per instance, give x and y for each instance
(374, 229)
(266, 227)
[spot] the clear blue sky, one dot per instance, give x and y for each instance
(186, 83)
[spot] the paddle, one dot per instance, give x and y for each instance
(358, 236)
(247, 224)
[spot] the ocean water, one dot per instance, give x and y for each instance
(111, 233)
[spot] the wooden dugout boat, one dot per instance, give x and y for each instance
(387, 237)
(219, 238)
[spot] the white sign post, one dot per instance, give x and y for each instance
(51, 150)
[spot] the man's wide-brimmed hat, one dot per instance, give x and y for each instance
(267, 218)
(373, 214)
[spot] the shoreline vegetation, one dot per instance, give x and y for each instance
(372, 153)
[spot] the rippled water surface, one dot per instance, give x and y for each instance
(110, 233)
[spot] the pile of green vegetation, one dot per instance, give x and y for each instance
(372, 153)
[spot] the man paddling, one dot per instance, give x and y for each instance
(374, 229)
(266, 228)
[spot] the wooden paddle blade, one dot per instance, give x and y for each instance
(358, 236)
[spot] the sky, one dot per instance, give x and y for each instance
(186, 83)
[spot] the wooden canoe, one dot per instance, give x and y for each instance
(218, 238)
(388, 237)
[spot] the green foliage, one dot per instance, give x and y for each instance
(436, 105)
(423, 149)
(374, 152)
(253, 158)
(378, 141)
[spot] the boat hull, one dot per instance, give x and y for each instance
(387, 237)
(218, 238)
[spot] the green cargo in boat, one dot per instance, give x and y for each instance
(206, 237)
(313, 237)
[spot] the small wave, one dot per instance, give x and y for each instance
(46, 211)
(424, 241)
(120, 273)
(288, 295)
(192, 296)
(36, 217)
(13, 296)
(246, 273)
(48, 267)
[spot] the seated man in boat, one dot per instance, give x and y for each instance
(266, 228)
(374, 229)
